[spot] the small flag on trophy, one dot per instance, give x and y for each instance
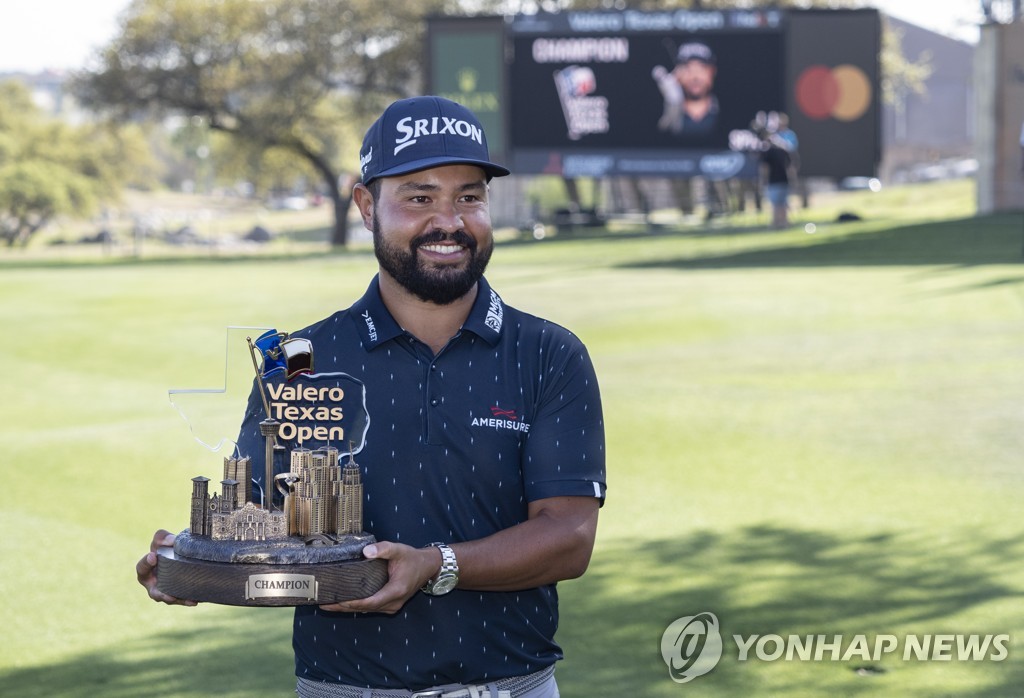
(291, 355)
(298, 356)
(269, 345)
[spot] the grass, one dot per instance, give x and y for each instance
(807, 434)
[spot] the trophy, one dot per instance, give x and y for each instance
(303, 546)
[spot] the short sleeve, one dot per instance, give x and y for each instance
(564, 451)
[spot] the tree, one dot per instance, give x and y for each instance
(900, 75)
(49, 168)
(302, 76)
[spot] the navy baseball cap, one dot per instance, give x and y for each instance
(422, 132)
(695, 51)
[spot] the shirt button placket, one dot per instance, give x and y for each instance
(433, 400)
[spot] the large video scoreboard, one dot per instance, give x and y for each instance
(675, 93)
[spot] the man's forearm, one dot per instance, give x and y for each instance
(554, 544)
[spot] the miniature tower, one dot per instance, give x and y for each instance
(199, 521)
(229, 493)
(240, 469)
(320, 475)
(269, 429)
(301, 459)
(350, 506)
(331, 489)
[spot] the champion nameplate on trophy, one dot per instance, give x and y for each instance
(305, 545)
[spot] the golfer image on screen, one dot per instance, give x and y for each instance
(691, 107)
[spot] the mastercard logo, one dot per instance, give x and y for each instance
(843, 92)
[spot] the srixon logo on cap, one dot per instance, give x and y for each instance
(411, 130)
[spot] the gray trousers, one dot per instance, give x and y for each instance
(548, 688)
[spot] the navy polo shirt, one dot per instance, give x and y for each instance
(458, 444)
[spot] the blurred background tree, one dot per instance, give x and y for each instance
(300, 77)
(50, 168)
(901, 76)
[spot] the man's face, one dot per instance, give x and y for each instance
(696, 78)
(432, 231)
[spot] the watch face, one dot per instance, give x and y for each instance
(444, 584)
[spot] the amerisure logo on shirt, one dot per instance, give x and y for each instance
(502, 419)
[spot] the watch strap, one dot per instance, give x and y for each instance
(447, 576)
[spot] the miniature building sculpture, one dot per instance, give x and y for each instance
(323, 499)
(240, 469)
(350, 509)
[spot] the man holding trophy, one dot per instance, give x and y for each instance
(483, 463)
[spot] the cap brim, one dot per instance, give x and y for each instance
(489, 168)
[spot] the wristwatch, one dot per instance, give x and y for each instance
(447, 577)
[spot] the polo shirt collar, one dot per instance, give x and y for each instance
(373, 321)
(376, 326)
(487, 317)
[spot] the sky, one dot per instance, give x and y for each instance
(37, 35)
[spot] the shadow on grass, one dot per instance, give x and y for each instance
(995, 239)
(757, 580)
(244, 655)
(770, 580)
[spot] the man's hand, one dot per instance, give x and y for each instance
(408, 570)
(672, 92)
(145, 570)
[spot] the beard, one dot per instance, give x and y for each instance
(442, 285)
(697, 92)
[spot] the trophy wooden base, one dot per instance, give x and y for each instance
(262, 584)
